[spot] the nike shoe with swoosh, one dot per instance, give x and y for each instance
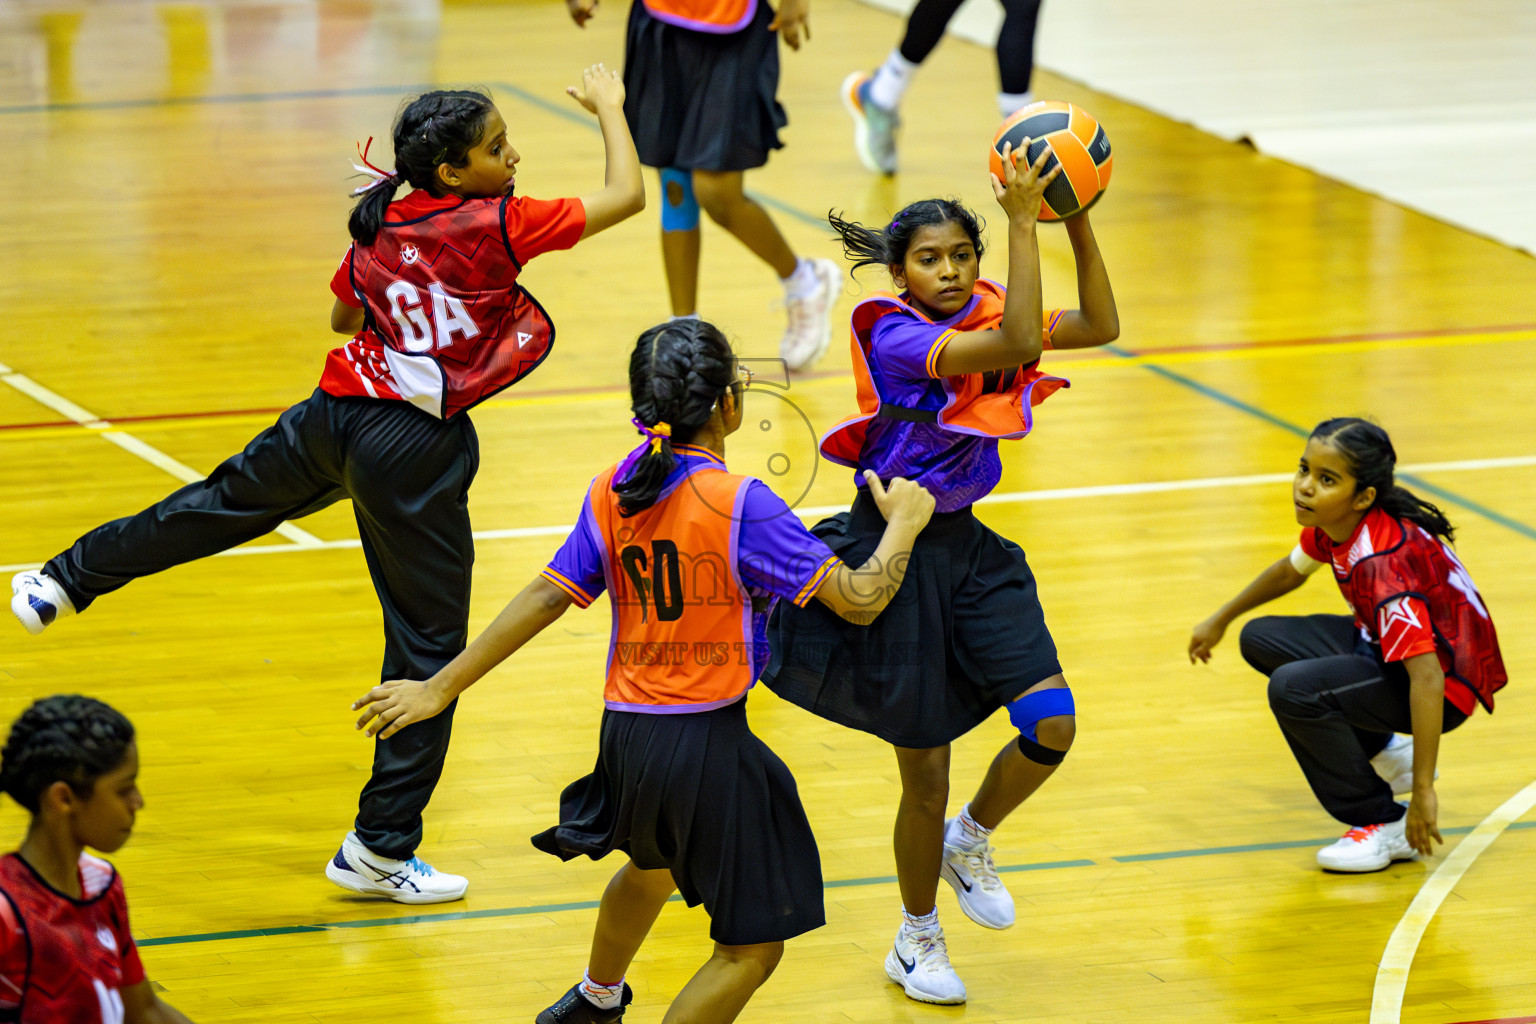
(919, 963)
(971, 873)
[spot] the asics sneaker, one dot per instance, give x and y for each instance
(1368, 848)
(1395, 763)
(809, 333)
(573, 1008)
(973, 875)
(874, 126)
(919, 963)
(357, 868)
(36, 600)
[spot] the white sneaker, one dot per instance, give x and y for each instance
(357, 868)
(919, 963)
(36, 600)
(973, 875)
(809, 333)
(1368, 848)
(1395, 764)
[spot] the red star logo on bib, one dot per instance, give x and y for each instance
(409, 253)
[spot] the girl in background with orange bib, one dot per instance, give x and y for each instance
(701, 79)
(693, 557)
(945, 369)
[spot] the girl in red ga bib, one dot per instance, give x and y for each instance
(66, 952)
(430, 295)
(1418, 654)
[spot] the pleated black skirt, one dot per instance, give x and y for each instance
(700, 795)
(700, 101)
(963, 636)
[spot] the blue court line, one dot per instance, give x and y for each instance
(1418, 482)
(841, 883)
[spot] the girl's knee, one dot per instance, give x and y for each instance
(718, 195)
(925, 778)
(763, 955)
(1057, 732)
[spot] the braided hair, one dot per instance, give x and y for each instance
(1368, 452)
(69, 739)
(887, 247)
(677, 374)
(435, 128)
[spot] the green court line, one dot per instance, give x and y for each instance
(840, 883)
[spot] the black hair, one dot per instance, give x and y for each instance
(435, 128)
(65, 738)
(888, 246)
(1368, 452)
(678, 372)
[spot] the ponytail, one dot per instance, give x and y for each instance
(887, 247)
(1371, 459)
(677, 374)
(434, 128)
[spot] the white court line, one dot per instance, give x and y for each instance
(128, 443)
(817, 512)
(1392, 974)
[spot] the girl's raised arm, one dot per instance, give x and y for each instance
(1096, 321)
(623, 194)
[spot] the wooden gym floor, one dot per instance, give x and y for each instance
(175, 193)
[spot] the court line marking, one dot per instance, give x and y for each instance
(1231, 352)
(842, 883)
(1397, 959)
(128, 443)
(1015, 497)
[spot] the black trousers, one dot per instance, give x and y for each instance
(1338, 704)
(1015, 39)
(408, 475)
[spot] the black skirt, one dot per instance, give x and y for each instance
(963, 636)
(701, 795)
(701, 101)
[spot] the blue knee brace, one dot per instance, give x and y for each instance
(1026, 714)
(679, 206)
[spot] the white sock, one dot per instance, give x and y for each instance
(1010, 103)
(914, 921)
(891, 80)
(686, 316)
(802, 282)
(604, 997)
(963, 831)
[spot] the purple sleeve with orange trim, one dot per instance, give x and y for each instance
(577, 567)
(908, 347)
(775, 553)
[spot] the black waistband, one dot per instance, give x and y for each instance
(901, 412)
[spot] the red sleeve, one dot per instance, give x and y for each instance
(1404, 628)
(1310, 545)
(133, 967)
(537, 226)
(341, 281)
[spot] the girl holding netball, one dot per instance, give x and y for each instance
(1417, 656)
(692, 557)
(429, 293)
(945, 369)
(66, 951)
(701, 80)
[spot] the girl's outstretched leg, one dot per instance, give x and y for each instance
(631, 902)
(680, 240)
(721, 988)
(1046, 730)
